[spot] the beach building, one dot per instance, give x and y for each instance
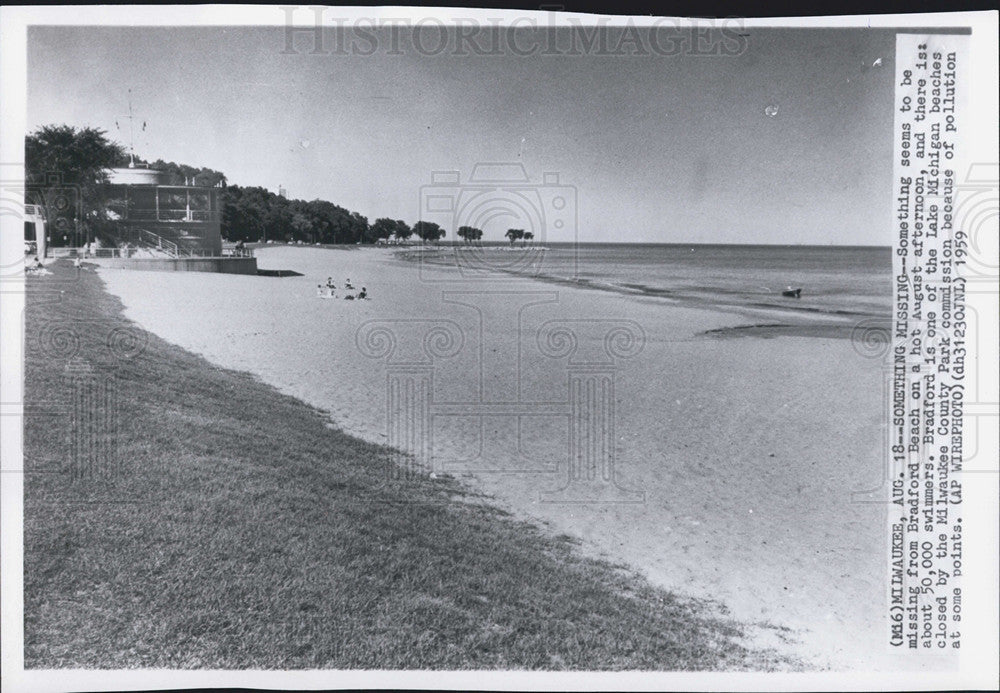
(176, 219)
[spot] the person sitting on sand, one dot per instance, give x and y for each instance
(364, 293)
(34, 266)
(348, 284)
(329, 283)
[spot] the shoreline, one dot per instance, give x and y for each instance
(688, 534)
(240, 532)
(835, 321)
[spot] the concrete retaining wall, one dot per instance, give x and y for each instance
(225, 265)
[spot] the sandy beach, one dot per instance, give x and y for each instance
(747, 451)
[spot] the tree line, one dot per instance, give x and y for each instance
(67, 170)
(66, 163)
(257, 214)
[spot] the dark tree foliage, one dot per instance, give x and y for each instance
(256, 214)
(469, 233)
(383, 228)
(515, 235)
(428, 230)
(67, 167)
(403, 230)
(65, 172)
(181, 174)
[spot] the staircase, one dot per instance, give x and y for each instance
(149, 244)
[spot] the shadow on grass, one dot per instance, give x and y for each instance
(214, 522)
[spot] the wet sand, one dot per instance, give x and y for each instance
(744, 454)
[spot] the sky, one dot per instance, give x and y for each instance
(788, 141)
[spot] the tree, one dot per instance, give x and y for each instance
(182, 174)
(257, 213)
(428, 230)
(65, 173)
(403, 230)
(359, 227)
(242, 220)
(383, 228)
(529, 236)
(302, 226)
(278, 220)
(514, 235)
(469, 233)
(244, 213)
(332, 222)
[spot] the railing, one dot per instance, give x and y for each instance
(152, 240)
(83, 253)
(172, 215)
(236, 252)
(137, 251)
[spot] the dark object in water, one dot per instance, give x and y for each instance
(792, 293)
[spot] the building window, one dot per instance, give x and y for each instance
(141, 204)
(172, 204)
(200, 205)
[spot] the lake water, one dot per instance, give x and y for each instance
(835, 280)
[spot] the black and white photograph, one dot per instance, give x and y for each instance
(453, 348)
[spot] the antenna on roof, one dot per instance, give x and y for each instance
(131, 131)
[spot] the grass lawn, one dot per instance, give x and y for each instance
(236, 529)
